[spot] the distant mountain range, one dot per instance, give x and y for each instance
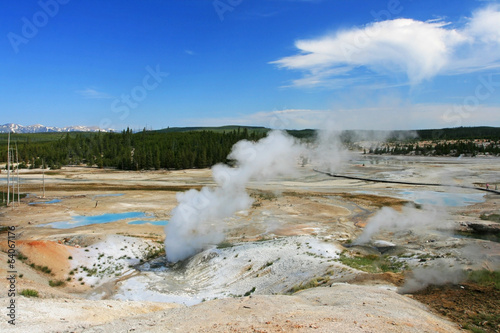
(16, 128)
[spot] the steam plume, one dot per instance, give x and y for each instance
(408, 219)
(197, 221)
(329, 153)
(439, 274)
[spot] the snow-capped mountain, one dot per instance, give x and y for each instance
(16, 128)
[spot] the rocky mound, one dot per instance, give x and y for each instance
(340, 308)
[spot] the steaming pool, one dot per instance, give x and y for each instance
(442, 198)
(81, 220)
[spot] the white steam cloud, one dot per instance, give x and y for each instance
(198, 220)
(437, 275)
(328, 154)
(408, 219)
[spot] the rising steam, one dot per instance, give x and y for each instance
(198, 219)
(408, 219)
(438, 275)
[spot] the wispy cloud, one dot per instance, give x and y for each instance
(91, 93)
(416, 49)
(189, 52)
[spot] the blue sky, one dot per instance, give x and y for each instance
(353, 64)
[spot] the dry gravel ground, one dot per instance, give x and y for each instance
(340, 308)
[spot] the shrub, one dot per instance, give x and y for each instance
(29, 293)
(56, 283)
(248, 293)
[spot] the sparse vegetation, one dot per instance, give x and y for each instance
(21, 256)
(485, 278)
(267, 264)
(490, 217)
(29, 293)
(372, 263)
(224, 245)
(40, 268)
(250, 292)
(56, 283)
(155, 252)
(264, 195)
(313, 283)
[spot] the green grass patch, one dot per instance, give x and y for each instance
(491, 217)
(29, 293)
(489, 321)
(224, 245)
(485, 278)
(372, 263)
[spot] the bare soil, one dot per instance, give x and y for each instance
(473, 306)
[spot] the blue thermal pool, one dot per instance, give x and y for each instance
(442, 198)
(45, 202)
(79, 221)
(138, 222)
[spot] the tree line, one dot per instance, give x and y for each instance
(466, 147)
(145, 150)
(185, 148)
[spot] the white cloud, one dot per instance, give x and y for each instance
(91, 93)
(485, 25)
(419, 50)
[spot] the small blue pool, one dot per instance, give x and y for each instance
(80, 221)
(138, 222)
(45, 202)
(442, 198)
